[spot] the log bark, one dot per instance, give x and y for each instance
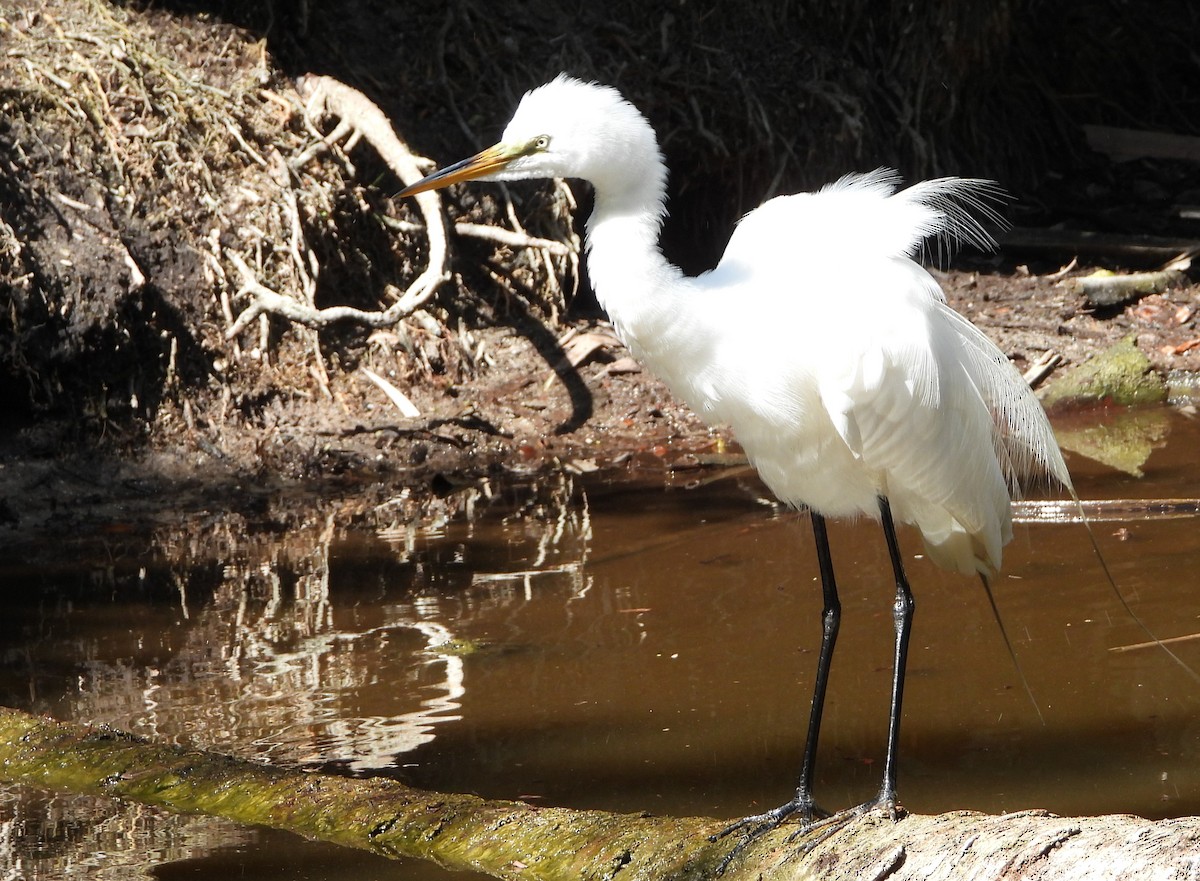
(510, 839)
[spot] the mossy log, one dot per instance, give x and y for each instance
(509, 839)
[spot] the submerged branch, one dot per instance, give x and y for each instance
(507, 839)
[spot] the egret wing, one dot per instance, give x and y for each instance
(923, 422)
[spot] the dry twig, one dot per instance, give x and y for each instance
(267, 301)
(1041, 368)
(513, 239)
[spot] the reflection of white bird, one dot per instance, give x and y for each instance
(831, 354)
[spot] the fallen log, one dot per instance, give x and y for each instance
(509, 839)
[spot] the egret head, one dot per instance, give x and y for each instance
(566, 128)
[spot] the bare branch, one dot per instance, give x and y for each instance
(511, 238)
(358, 116)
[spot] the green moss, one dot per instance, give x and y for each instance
(1119, 375)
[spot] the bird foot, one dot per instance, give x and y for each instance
(758, 824)
(883, 803)
(812, 819)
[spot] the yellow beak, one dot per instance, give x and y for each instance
(490, 160)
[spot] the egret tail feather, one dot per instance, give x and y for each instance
(987, 589)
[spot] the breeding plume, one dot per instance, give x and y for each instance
(830, 353)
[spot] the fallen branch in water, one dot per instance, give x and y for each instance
(510, 839)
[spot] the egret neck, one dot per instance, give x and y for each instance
(642, 292)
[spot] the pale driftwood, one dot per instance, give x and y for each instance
(399, 400)
(324, 97)
(1103, 510)
(511, 238)
(268, 301)
(1109, 289)
(512, 839)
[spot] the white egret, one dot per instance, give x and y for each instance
(833, 357)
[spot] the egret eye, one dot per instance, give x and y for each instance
(541, 142)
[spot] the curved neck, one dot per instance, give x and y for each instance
(632, 279)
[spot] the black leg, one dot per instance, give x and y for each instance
(902, 612)
(831, 616)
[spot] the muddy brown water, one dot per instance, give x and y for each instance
(629, 647)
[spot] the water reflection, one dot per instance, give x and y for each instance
(624, 647)
(332, 647)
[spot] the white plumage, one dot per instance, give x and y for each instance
(826, 348)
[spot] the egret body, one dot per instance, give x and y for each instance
(830, 353)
